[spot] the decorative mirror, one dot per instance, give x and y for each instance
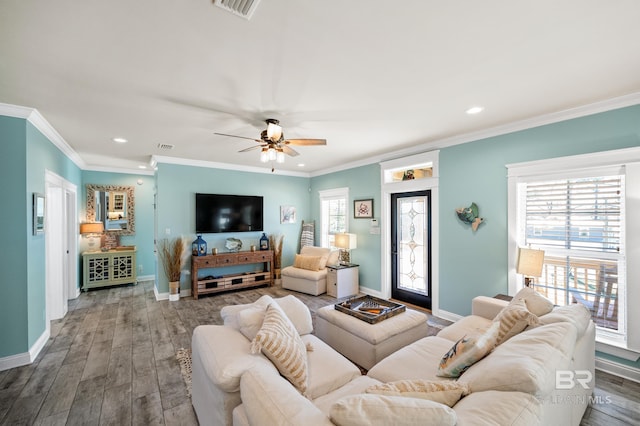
(113, 206)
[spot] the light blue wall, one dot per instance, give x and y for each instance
(41, 155)
(177, 186)
(473, 264)
(15, 236)
(144, 212)
(363, 182)
(25, 154)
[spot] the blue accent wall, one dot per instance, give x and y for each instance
(177, 186)
(144, 212)
(363, 183)
(15, 235)
(473, 264)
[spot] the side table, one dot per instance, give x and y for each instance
(342, 280)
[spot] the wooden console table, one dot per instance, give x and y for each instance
(219, 283)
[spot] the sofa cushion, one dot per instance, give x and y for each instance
(443, 391)
(322, 252)
(467, 351)
(293, 272)
(514, 318)
(576, 314)
(371, 410)
(269, 399)
(472, 325)
(418, 360)
(224, 364)
(527, 362)
(536, 303)
(354, 387)
(281, 343)
(498, 408)
(311, 263)
(328, 370)
(295, 309)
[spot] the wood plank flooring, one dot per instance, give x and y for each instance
(111, 361)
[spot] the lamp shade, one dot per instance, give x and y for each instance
(91, 228)
(530, 262)
(346, 241)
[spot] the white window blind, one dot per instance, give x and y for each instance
(579, 222)
(576, 214)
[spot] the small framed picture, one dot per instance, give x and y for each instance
(287, 214)
(363, 209)
(38, 213)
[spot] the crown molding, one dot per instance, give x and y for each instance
(34, 117)
(516, 126)
(226, 166)
(108, 169)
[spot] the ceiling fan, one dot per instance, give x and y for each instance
(273, 144)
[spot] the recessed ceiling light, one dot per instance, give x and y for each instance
(142, 167)
(474, 110)
(300, 164)
(120, 140)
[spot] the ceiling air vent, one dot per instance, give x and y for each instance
(243, 8)
(165, 146)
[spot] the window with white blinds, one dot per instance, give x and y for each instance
(576, 214)
(579, 223)
(334, 213)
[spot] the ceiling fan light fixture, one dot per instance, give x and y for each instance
(264, 156)
(271, 153)
(274, 131)
(280, 156)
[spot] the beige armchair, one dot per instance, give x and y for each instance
(308, 274)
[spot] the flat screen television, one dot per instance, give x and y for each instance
(228, 213)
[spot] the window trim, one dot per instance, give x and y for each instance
(332, 194)
(629, 158)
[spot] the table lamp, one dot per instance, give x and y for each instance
(345, 242)
(91, 230)
(530, 264)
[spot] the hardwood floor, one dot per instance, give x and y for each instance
(111, 360)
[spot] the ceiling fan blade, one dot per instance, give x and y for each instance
(251, 148)
(305, 141)
(289, 151)
(240, 137)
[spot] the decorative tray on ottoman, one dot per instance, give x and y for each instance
(370, 309)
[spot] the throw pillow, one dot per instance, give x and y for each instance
(250, 321)
(514, 318)
(311, 263)
(281, 343)
(467, 351)
(536, 303)
(445, 392)
(382, 410)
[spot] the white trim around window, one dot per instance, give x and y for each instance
(614, 160)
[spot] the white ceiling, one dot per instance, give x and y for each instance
(373, 77)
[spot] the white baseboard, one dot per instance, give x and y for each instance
(449, 316)
(142, 278)
(165, 296)
(25, 358)
(374, 293)
(618, 369)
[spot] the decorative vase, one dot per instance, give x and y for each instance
(174, 291)
(264, 242)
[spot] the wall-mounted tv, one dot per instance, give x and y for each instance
(228, 213)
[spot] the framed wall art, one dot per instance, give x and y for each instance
(38, 214)
(363, 209)
(287, 214)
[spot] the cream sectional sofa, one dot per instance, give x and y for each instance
(515, 384)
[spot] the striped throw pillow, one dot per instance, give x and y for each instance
(281, 343)
(514, 318)
(466, 352)
(445, 392)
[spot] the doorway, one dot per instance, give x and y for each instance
(411, 255)
(61, 248)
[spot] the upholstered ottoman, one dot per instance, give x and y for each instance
(363, 343)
